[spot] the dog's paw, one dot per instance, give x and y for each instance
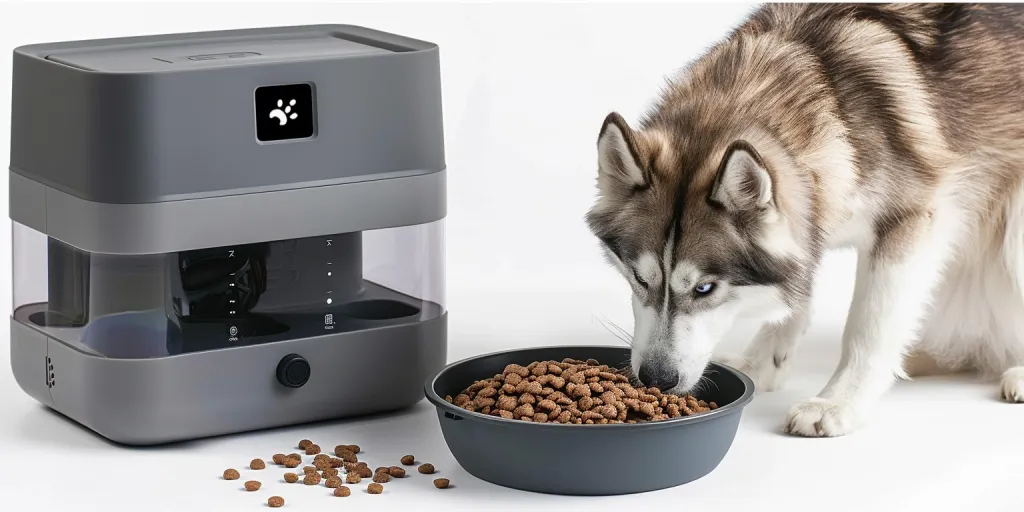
(1012, 385)
(818, 417)
(767, 376)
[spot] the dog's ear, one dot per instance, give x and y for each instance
(621, 155)
(743, 182)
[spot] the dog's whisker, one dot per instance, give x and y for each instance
(615, 330)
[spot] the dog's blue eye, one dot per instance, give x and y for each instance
(639, 279)
(704, 288)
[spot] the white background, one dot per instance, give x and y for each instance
(525, 89)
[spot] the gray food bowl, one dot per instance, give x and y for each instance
(586, 460)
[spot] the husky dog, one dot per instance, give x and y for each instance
(895, 130)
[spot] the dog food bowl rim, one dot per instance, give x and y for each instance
(452, 409)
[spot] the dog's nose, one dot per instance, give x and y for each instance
(663, 379)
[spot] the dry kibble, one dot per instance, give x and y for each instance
(354, 448)
(294, 456)
(312, 449)
(279, 458)
(257, 464)
(322, 463)
(375, 488)
(252, 485)
(352, 478)
(364, 472)
(308, 469)
(329, 472)
(342, 492)
(291, 478)
(408, 460)
(231, 474)
(275, 502)
(382, 477)
(442, 483)
(396, 472)
(311, 479)
(426, 469)
(333, 482)
(304, 444)
(573, 391)
(292, 463)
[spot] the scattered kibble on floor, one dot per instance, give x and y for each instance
(323, 468)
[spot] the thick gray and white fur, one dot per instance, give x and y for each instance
(895, 130)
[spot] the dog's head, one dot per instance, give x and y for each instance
(700, 227)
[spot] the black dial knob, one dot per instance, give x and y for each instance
(293, 371)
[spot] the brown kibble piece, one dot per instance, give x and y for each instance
(257, 464)
(382, 477)
(408, 460)
(523, 410)
(294, 456)
(333, 482)
(304, 444)
(291, 478)
(379, 469)
(354, 448)
(311, 479)
(308, 469)
(442, 483)
(507, 403)
(364, 472)
(426, 469)
(292, 463)
(342, 492)
(252, 485)
(275, 502)
(322, 463)
(312, 449)
(353, 478)
(279, 458)
(396, 472)
(231, 474)
(375, 488)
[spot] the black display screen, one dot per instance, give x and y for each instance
(284, 112)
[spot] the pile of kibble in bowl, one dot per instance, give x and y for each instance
(573, 392)
(338, 472)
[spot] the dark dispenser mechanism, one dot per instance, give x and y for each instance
(235, 222)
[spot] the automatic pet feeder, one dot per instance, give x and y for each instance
(226, 231)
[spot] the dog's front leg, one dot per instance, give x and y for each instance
(895, 281)
(768, 355)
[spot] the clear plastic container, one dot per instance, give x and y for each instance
(158, 305)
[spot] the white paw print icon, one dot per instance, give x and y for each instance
(283, 116)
